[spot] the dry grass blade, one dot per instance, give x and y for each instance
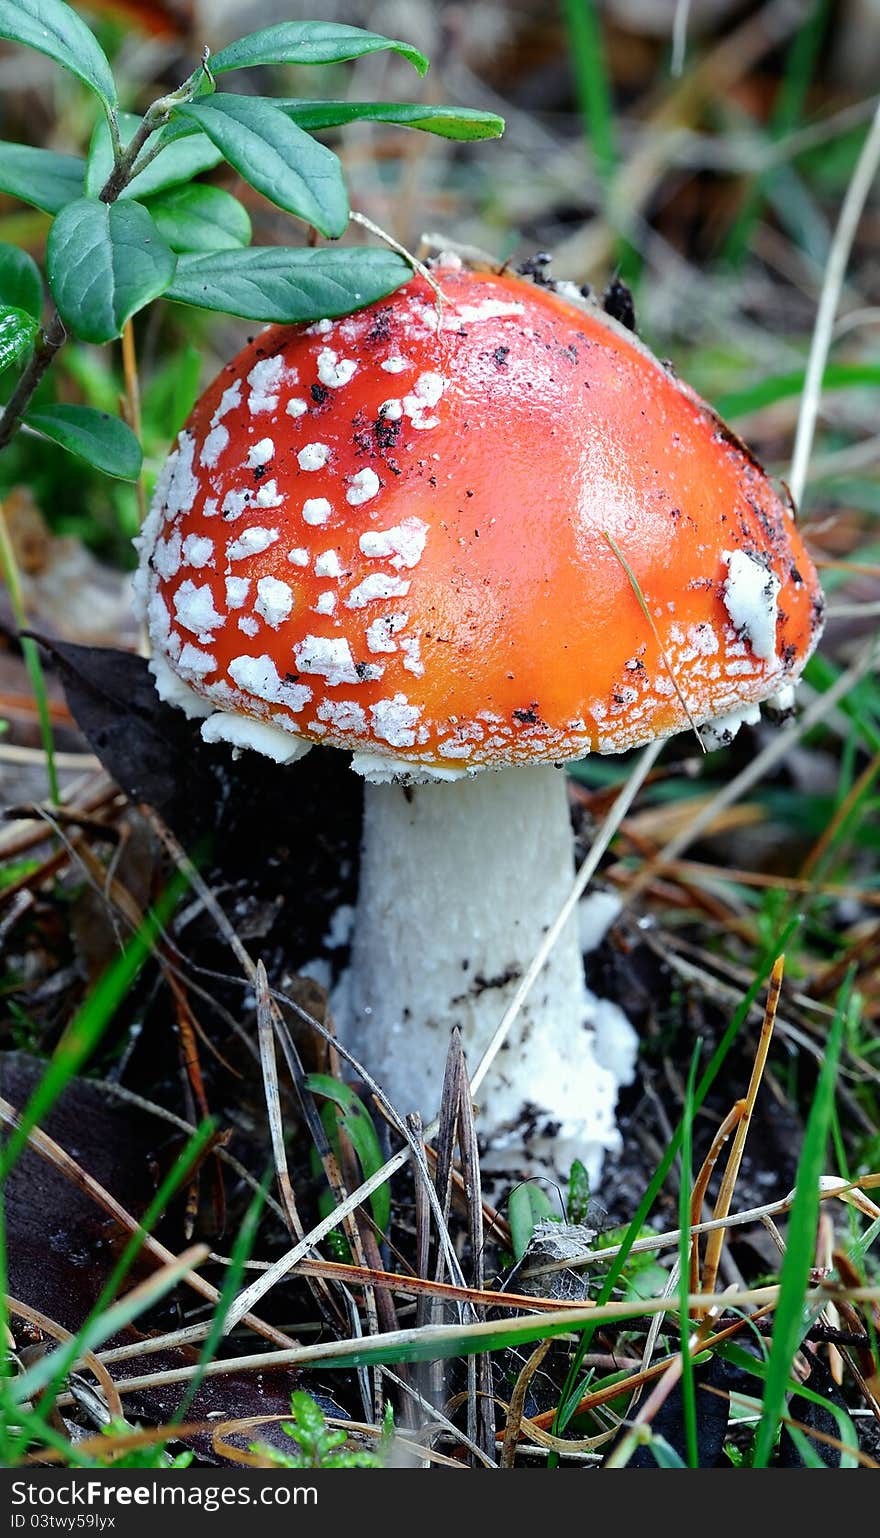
(447, 1119)
(702, 871)
(467, 1300)
(774, 753)
(394, 245)
(470, 1168)
(321, 1141)
(829, 1186)
(513, 1429)
(423, 1222)
(701, 1184)
(842, 812)
(57, 1156)
(835, 269)
(223, 1429)
(656, 1325)
(636, 1381)
(88, 794)
(58, 1332)
(715, 1241)
(457, 1124)
(266, 1036)
(437, 1421)
(658, 1396)
(104, 1449)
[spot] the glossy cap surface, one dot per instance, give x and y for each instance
(396, 533)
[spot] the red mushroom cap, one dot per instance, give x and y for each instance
(407, 533)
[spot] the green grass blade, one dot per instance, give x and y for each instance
(110, 1321)
(570, 1394)
(780, 387)
(241, 1254)
(757, 1368)
(88, 1026)
(592, 82)
(820, 673)
(63, 1358)
(787, 112)
(795, 1275)
(688, 1386)
(355, 1121)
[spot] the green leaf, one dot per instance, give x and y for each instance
(83, 1033)
(21, 287)
(54, 29)
(463, 123)
(103, 440)
(355, 1121)
(105, 262)
(40, 177)
(310, 42)
(201, 219)
(289, 284)
(529, 1204)
(174, 165)
(578, 1193)
(276, 158)
(794, 1280)
(18, 331)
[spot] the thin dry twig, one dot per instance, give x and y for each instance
(701, 1184)
(731, 1173)
(58, 1332)
(57, 1156)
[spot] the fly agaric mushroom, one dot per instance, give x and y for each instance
(494, 534)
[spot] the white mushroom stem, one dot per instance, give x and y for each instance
(459, 883)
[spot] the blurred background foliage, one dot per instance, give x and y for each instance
(699, 150)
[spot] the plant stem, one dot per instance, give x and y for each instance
(123, 166)
(50, 341)
(54, 335)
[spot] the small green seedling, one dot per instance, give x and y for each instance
(317, 1446)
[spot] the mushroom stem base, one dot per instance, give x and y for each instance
(459, 883)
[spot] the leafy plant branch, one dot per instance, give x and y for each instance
(128, 162)
(131, 222)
